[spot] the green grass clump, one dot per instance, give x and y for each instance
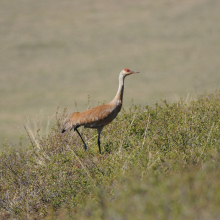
(159, 162)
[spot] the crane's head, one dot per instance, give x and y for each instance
(126, 72)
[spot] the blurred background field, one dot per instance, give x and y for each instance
(56, 53)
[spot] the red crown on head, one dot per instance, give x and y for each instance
(127, 70)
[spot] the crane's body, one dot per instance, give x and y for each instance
(99, 116)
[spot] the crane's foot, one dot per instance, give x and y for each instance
(85, 146)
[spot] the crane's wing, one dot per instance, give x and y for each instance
(93, 118)
(98, 116)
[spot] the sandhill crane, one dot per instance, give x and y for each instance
(99, 116)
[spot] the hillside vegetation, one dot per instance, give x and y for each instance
(159, 162)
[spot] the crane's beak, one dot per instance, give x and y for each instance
(134, 72)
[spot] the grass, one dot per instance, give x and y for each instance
(158, 162)
(54, 53)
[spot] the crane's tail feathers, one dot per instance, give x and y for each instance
(69, 122)
(66, 126)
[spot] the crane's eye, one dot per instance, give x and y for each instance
(127, 70)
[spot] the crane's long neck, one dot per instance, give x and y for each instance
(119, 96)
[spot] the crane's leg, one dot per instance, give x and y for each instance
(75, 129)
(99, 132)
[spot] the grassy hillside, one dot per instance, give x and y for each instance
(159, 162)
(54, 53)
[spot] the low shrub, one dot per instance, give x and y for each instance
(158, 162)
